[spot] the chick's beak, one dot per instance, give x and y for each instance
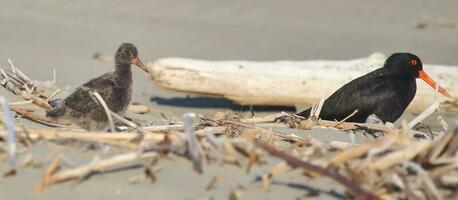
(432, 83)
(138, 62)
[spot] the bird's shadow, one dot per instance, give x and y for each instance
(206, 102)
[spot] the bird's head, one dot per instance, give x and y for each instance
(127, 54)
(410, 66)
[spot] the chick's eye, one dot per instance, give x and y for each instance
(413, 62)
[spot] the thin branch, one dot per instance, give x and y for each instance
(346, 118)
(105, 107)
(430, 110)
(81, 171)
(10, 129)
(354, 188)
(39, 118)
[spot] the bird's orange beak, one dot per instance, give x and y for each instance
(432, 83)
(138, 62)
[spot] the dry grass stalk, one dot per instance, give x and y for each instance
(354, 188)
(107, 110)
(39, 118)
(52, 178)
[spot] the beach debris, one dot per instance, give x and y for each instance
(441, 21)
(396, 155)
(9, 122)
(193, 146)
(138, 108)
(212, 183)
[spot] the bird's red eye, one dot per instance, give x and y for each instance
(413, 62)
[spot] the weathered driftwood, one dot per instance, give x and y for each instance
(284, 82)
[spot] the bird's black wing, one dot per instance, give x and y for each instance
(81, 101)
(362, 94)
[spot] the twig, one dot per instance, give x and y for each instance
(430, 187)
(405, 154)
(18, 103)
(351, 126)
(358, 192)
(346, 118)
(105, 107)
(90, 168)
(290, 137)
(158, 128)
(22, 90)
(10, 129)
(317, 112)
(53, 94)
(39, 118)
(430, 110)
(192, 143)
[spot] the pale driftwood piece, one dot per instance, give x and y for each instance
(163, 128)
(138, 109)
(264, 119)
(400, 155)
(350, 126)
(81, 171)
(281, 135)
(284, 82)
(339, 145)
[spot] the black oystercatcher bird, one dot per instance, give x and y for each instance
(114, 87)
(385, 92)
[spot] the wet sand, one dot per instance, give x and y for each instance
(40, 36)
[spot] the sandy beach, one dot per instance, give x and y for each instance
(41, 35)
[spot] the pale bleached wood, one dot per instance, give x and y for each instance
(284, 82)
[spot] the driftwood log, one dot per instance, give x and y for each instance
(285, 82)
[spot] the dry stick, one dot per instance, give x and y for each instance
(54, 134)
(430, 187)
(285, 136)
(163, 127)
(191, 141)
(18, 103)
(350, 126)
(8, 85)
(53, 95)
(332, 124)
(124, 120)
(358, 192)
(430, 110)
(264, 119)
(110, 113)
(441, 21)
(318, 109)
(91, 167)
(346, 118)
(39, 118)
(10, 129)
(105, 107)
